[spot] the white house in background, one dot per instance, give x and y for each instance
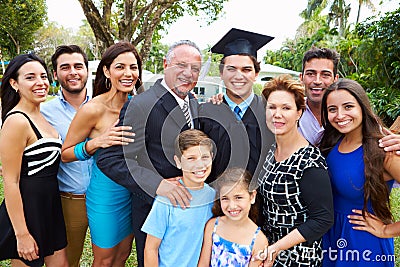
(210, 86)
(269, 71)
(203, 90)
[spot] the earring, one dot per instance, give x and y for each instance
(108, 84)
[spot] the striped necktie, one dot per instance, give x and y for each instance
(185, 110)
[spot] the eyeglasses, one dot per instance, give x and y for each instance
(194, 68)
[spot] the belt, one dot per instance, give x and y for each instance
(72, 196)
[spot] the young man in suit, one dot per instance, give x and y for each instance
(157, 116)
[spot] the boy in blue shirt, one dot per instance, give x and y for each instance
(175, 235)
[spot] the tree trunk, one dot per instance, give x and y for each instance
(358, 12)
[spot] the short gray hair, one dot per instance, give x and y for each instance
(170, 52)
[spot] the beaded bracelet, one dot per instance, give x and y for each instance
(80, 151)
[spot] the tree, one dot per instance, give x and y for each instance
(51, 35)
(339, 12)
(156, 56)
(381, 49)
(48, 37)
(141, 21)
(367, 3)
(380, 55)
(19, 21)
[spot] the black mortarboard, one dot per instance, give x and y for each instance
(240, 42)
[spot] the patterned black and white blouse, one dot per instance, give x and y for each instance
(297, 195)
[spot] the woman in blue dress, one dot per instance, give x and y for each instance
(94, 126)
(361, 176)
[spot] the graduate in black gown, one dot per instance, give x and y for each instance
(237, 126)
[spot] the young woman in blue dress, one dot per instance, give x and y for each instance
(93, 127)
(361, 173)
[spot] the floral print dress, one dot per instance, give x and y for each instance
(227, 253)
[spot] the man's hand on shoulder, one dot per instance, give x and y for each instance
(390, 142)
(175, 192)
(216, 99)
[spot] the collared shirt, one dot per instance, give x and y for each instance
(243, 106)
(180, 101)
(73, 177)
(309, 127)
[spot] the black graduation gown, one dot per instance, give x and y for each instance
(239, 143)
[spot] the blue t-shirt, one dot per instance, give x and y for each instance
(180, 230)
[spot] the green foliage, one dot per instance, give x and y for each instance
(51, 35)
(214, 66)
(257, 88)
(290, 56)
(381, 49)
(19, 20)
(156, 56)
(386, 102)
(379, 53)
(369, 54)
(395, 207)
(143, 21)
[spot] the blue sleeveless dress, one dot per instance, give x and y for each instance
(342, 245)
(109, 209)
(226, 253)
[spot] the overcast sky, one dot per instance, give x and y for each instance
(278, 18)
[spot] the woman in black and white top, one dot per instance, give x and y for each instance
(294, 182)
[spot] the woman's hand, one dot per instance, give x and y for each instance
(370, 223)
(114, 135)
(272, 253)
(27, 247)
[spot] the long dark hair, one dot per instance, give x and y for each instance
(233, 176)
(108, 57)
(9, 97)
(375, 188)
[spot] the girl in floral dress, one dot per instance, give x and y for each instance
(232, 238)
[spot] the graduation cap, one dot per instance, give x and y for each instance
(240, 42)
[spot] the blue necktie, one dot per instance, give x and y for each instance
(237, 111)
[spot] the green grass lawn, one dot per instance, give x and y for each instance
(87, 253)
